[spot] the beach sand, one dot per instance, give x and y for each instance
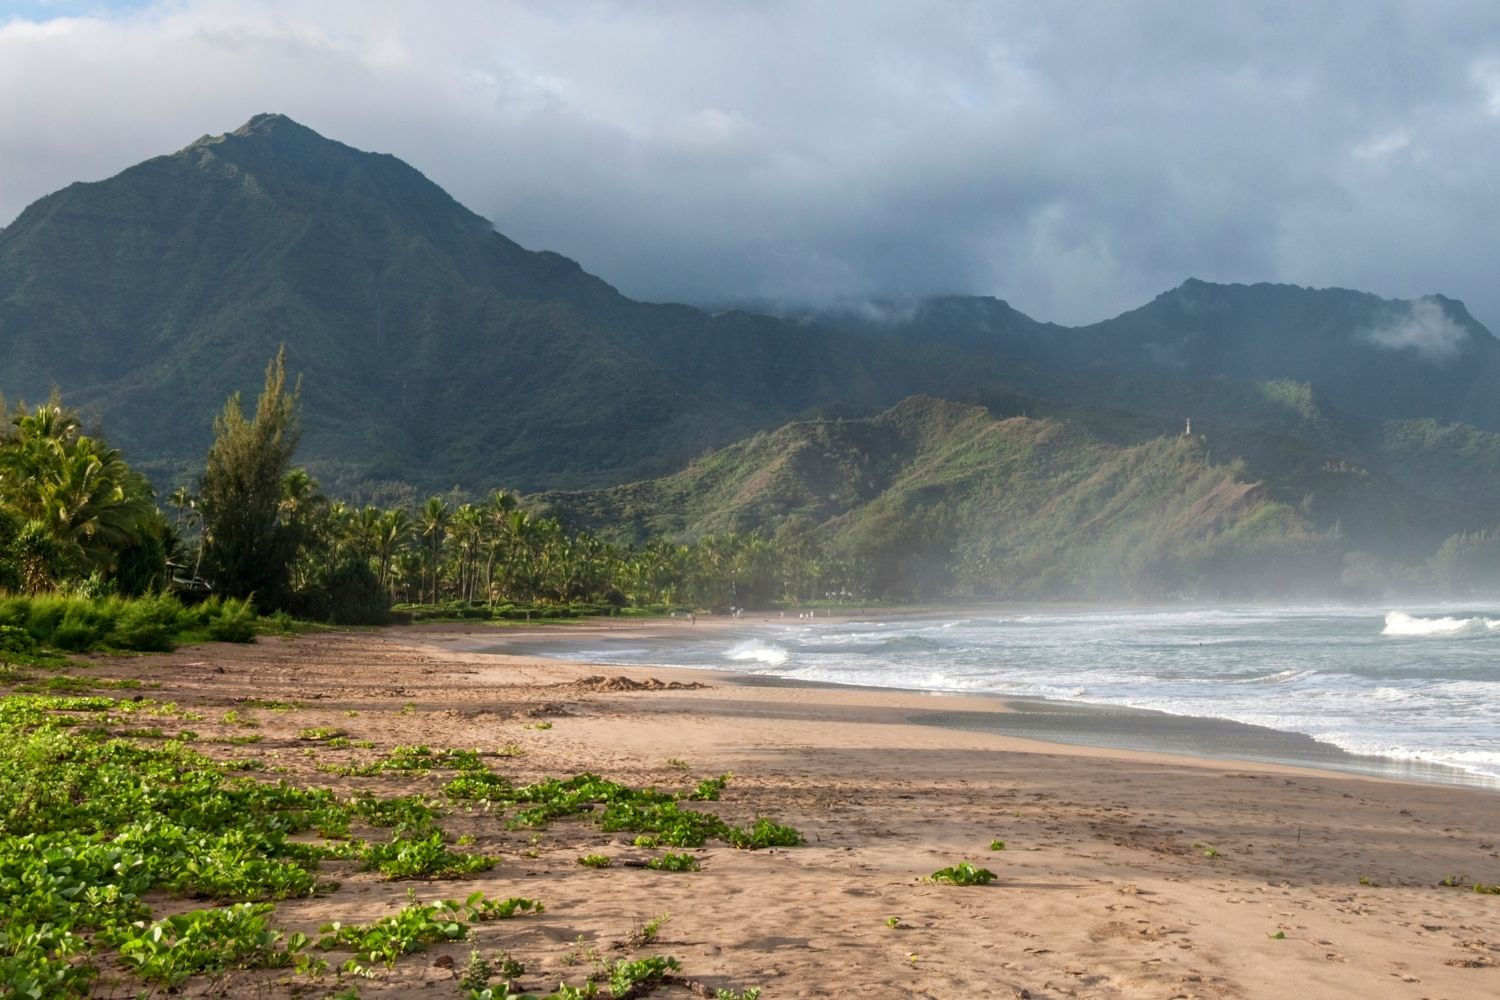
(1124, 874)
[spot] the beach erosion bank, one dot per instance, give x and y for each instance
(1124, 874)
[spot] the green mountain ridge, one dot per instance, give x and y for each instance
(433, 349)
(934, 497)
(1371, 357)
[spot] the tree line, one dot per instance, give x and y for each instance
(74, 517)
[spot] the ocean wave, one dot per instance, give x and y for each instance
(882, 647)
(1399, 623)
(1484, 763)
(1279, 677)
(903, 644)
(756, 651)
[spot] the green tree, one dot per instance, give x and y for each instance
(75, 504)
(433, 521)
(247, 546)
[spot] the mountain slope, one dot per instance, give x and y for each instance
(1372, 357)
(933, 497)
(433, 349)
(437, 352)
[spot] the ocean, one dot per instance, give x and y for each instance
(1415, 685)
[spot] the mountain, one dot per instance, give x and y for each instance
(1372, 357)
(436, 352)
(433, 350)
(932, 498)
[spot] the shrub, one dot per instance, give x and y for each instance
(234, 621)
(149, 624)
(81, 627)
(14, 639)
(355, 596)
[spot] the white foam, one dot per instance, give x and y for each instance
(756, 651)
(1278, 677)
(1402, 624)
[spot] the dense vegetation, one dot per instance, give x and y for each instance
(80, 533)
(70, 508)
(933, 498)
(928, 500)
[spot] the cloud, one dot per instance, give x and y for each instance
(1422, 327)
(1074, 158)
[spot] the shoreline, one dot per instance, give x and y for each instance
(1050, 721)
(1126, 875)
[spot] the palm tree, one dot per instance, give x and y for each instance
(518, 563)
(433, 521)
(497, 512)
(467, 533)
(391, 533)
(73, 489)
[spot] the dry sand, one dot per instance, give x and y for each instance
(1124, 875)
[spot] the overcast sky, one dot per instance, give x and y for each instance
(1074, 159)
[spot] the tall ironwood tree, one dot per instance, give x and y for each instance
(248, 545)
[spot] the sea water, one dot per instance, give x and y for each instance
(1414, 684)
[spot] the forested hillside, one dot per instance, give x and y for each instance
(932, 497)
(434, 350)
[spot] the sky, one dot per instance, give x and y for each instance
(1073, 158)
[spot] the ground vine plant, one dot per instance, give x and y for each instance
(100, 807)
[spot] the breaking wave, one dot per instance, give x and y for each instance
(1402, 624)
(758, 652)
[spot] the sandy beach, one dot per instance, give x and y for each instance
(1124, 874)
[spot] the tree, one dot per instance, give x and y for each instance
(391, 532)
(247, 546)
(74, 503)
(433, 521)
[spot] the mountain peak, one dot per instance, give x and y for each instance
(268, 126)
(266, 123)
